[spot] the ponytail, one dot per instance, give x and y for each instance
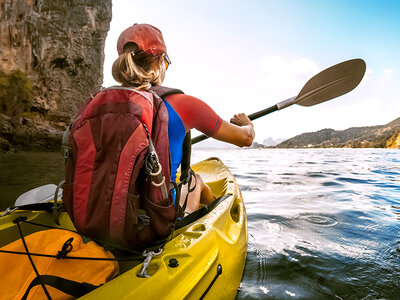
(138, 69)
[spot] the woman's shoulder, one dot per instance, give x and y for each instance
(195, 113)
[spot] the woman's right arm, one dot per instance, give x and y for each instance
(197, 114)
(239, 131)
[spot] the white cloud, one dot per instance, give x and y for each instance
(387, 75)
(281, 75)
(304, 66)
(368, 73)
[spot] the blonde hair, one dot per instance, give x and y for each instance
(137, 69)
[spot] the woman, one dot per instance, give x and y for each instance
(142, 63)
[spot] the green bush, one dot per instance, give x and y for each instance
(15, 93)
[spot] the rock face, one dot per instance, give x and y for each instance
(381, 136)
(59, 44)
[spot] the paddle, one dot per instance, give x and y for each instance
(40, 195)
(326, 85)
(38, 198)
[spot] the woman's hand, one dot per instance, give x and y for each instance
(241, 120)
(239, 131)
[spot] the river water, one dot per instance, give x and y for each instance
(323, 223)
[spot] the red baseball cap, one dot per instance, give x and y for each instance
(147, 37)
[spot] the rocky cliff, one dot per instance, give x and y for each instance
(381, 136)
(59, 46)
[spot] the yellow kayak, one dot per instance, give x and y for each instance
(204, 259)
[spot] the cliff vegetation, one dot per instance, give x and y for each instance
(51, 59)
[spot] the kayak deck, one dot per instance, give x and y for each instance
(207, 255)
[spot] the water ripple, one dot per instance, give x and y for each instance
(321, 220)
(324, 224)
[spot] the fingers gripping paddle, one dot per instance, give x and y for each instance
(326, 85)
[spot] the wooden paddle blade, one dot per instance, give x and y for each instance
(332, 82)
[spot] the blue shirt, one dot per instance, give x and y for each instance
(176, 135)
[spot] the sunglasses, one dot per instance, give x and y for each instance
(167, 61)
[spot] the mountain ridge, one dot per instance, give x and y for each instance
(378, 136)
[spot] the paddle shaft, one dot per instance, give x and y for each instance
(256, 115)
(252, 117)
(263, 112)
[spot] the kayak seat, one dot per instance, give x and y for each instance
(199, 213)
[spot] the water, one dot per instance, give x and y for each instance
(323, 223)
(24, 171)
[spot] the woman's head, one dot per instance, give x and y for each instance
(143, 59)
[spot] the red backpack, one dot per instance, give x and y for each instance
(117, 163)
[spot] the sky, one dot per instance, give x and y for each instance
(244, 56)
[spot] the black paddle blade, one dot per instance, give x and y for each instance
(332, 82)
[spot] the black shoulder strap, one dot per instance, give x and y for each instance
(70, 287)
(163, 91)
(187, 151)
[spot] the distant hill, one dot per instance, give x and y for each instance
(272, 142)
(381, 136)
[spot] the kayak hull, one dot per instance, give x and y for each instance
(204, 259)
